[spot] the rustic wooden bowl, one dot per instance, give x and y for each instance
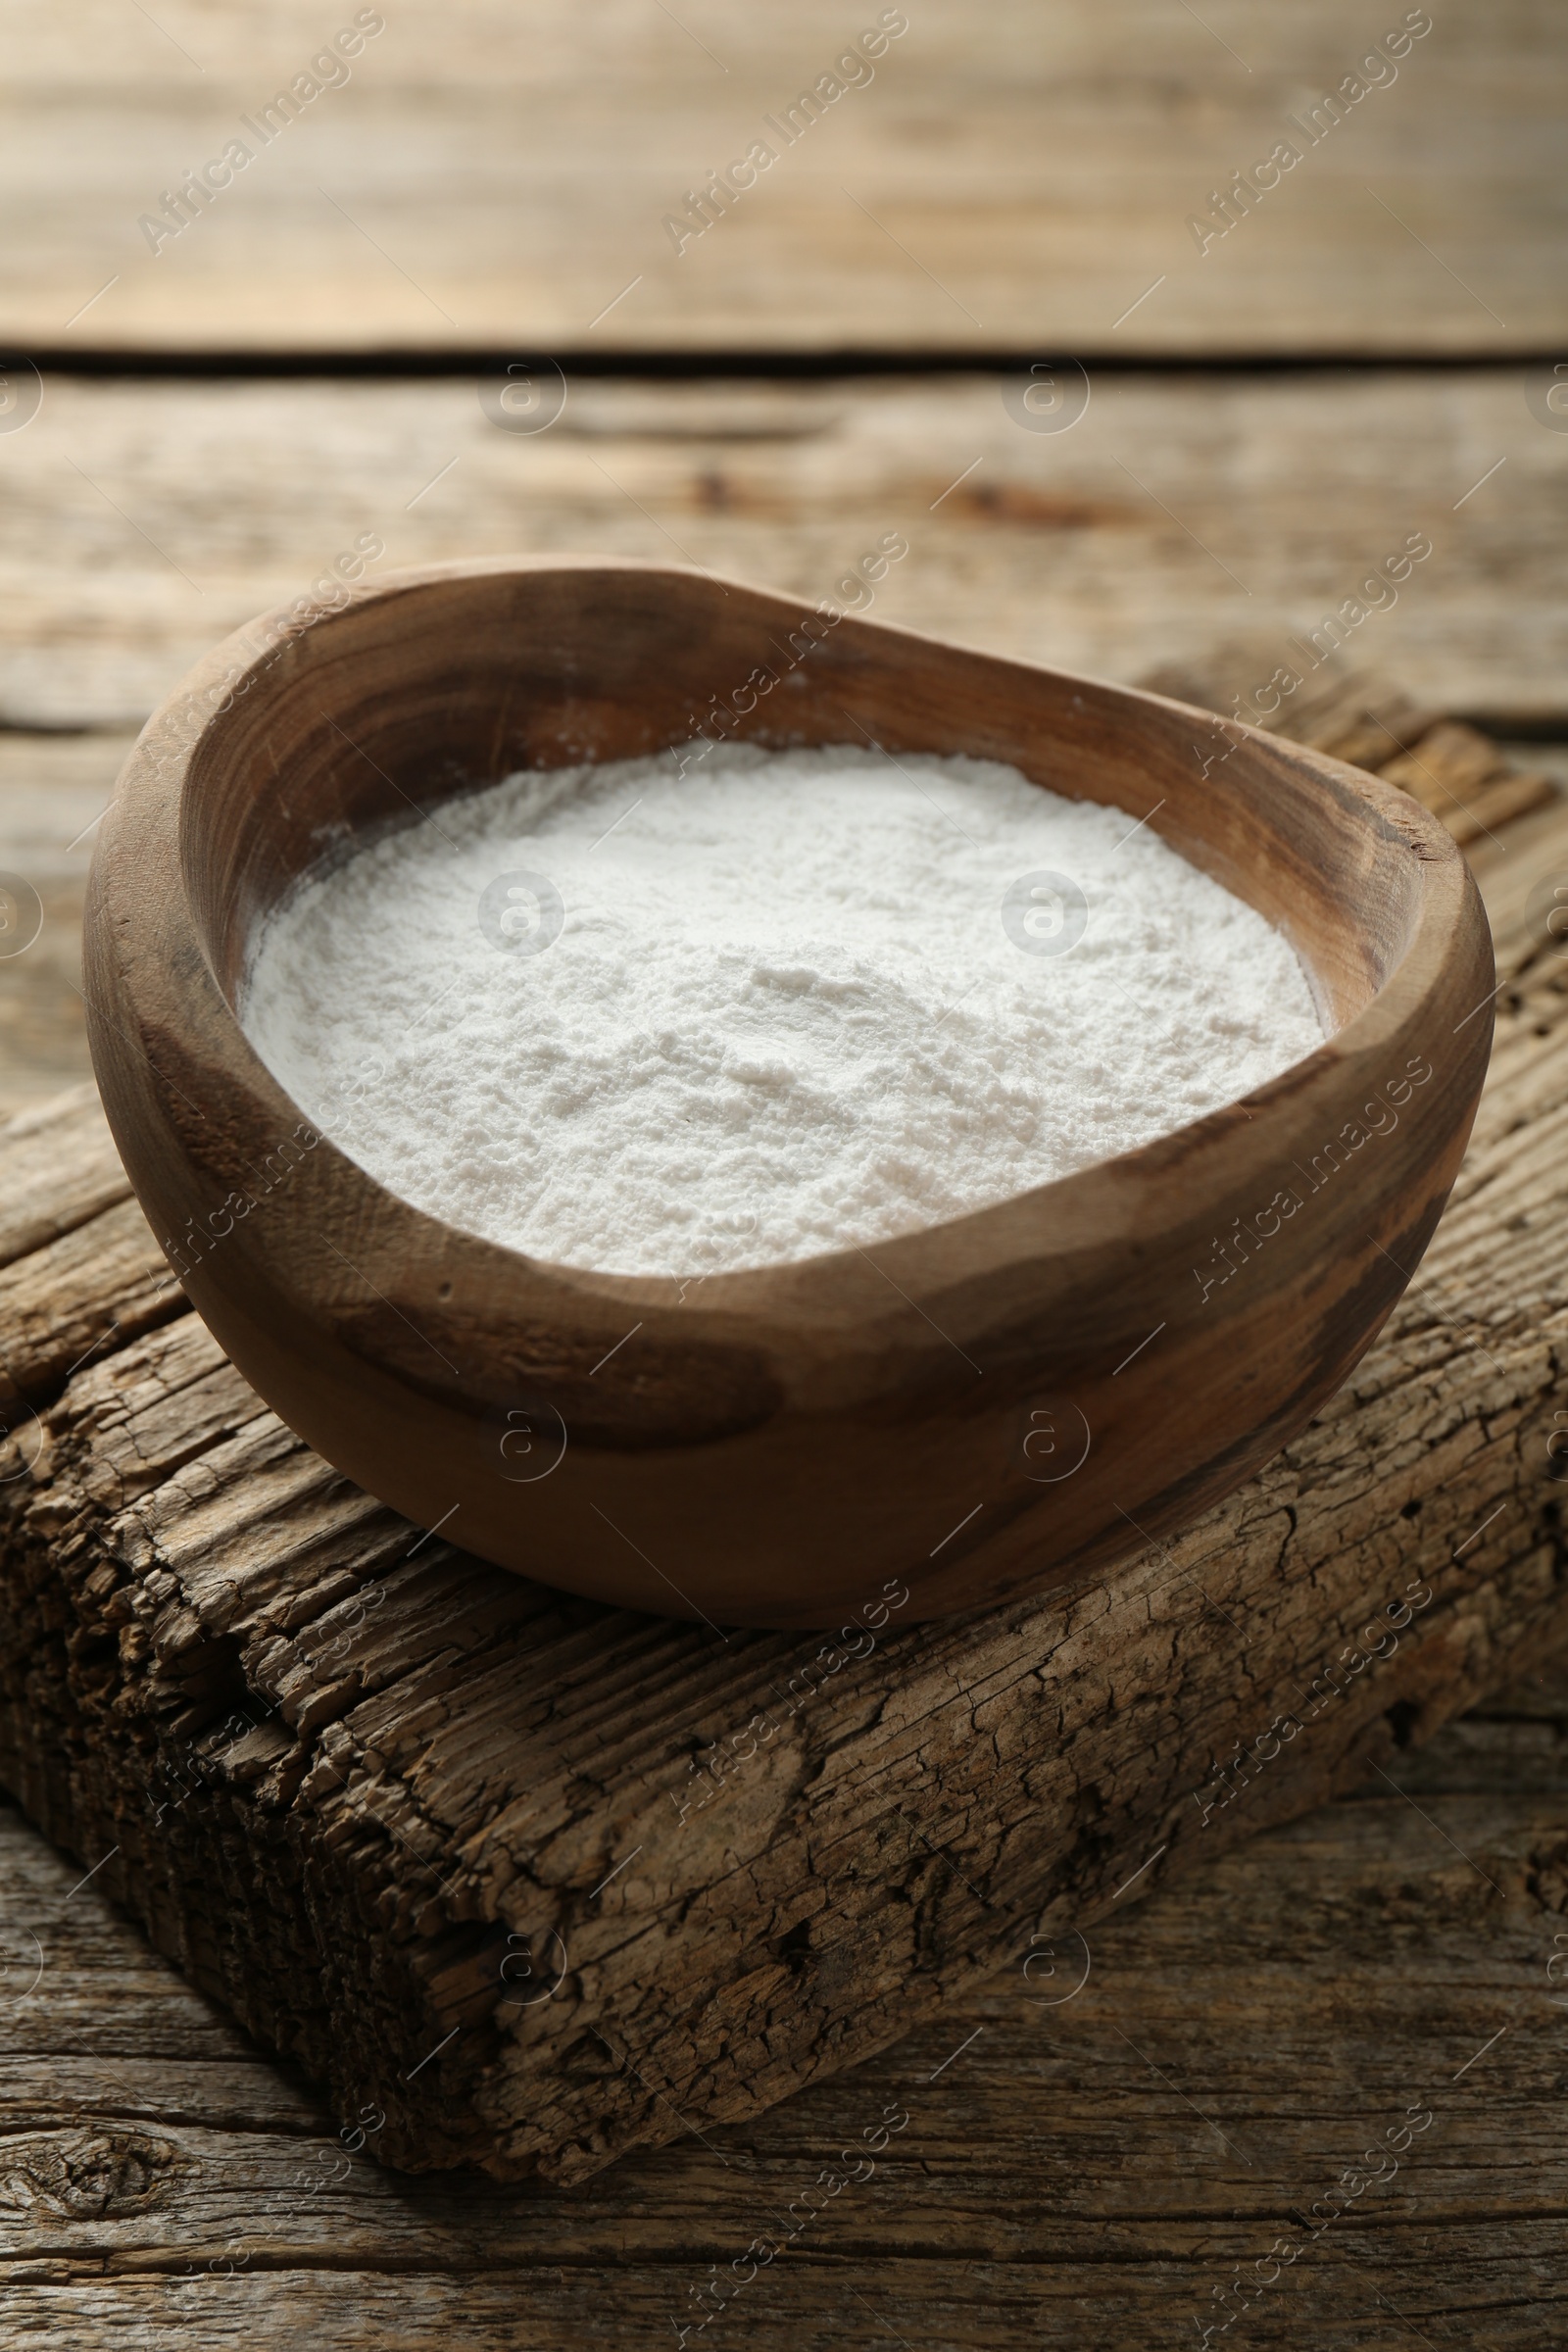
(972, 1411)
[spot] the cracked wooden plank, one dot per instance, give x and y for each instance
(1087, 2171)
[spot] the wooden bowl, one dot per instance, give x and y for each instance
(972, 1411)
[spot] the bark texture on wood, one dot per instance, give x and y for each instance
(548, 1881)
(1088, 2173)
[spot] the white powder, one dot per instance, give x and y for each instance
(775, 1006)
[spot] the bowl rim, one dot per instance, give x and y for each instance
(1061, 1217)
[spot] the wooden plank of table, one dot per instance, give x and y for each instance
(1090, 2158)
(52, 790)
(140, 521)
(344, 1817)
(1008, 179)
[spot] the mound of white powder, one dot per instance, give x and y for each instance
(789, 1002)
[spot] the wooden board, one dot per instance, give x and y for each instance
(497, 177)
(139, 522)
(1080, 2173)
(485, 1778)
(1451, 768)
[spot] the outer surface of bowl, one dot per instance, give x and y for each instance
(964, 1413)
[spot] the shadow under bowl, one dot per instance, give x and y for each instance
(971, 1412)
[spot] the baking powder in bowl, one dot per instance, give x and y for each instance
(649, 1022)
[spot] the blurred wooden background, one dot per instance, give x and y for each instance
(495, 174)
(1368, 353)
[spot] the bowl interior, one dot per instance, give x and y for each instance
(428, 688)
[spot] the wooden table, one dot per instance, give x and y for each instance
(1085, 2175)
(1089, 2157)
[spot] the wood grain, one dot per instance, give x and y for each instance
(1452, 769)
(142, 522)
(1081, 2175)
(1012, 179)
(470, 1758)
(971, 1412)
